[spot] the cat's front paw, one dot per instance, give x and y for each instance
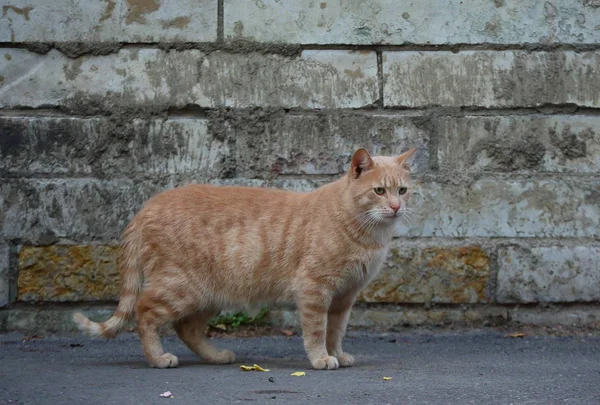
(167, 360)
(346, 360)
(326, 363)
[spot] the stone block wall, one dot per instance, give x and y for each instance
(103, 104)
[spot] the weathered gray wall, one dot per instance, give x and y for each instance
(103, 104)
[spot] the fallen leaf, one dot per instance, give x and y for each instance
(255, 367)
(516, 335)
(76, 345)
(220, 326)
(288, 332)
(298, 374)
(387, 378)
(166, 394)
(259, 368)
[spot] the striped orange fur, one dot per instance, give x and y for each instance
(192, 251)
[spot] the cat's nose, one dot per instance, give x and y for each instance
(395, 207)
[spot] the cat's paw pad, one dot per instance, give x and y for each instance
(223, 357)
(167, 360)
(326, 363)
(346, 360)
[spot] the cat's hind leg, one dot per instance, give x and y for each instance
(191, 331)
(151, 314)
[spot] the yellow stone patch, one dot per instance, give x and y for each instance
(439, 275)
(90, 273)
(68, 273)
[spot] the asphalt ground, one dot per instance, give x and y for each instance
(465, 367)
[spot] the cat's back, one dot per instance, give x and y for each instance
(210, 203)
(226, 229)
(194, 193)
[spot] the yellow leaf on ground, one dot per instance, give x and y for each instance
(298, 374)
(259, 368)
(387, 378)
(516, 335)
(255, 367)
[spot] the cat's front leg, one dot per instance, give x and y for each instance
(337, 322)
(313, 307)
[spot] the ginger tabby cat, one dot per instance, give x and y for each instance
(192, 251)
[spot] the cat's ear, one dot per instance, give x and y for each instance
(405, 159)
(361, 162)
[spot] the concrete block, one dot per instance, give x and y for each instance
(83, 210)
(580, 316)
(274, 142)
(59, 319)
(88, 273)
(51, 318)
(539, 143)
(317, 79)
(159, 80)
(491, 207)
(131, 76)
(108, 21)
(422, 22)
(397, 317)
(4, 275)
(491, 78)
(68, 273)
(548, 274)
(445, 275)
(42, 211)
(104, 147)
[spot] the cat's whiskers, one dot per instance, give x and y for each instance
(380, 214)
(367, 216)
(376, 213)
(407, 214)
(362, 219)
(373, 220)
(369, 219)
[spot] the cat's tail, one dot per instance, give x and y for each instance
(131, 284)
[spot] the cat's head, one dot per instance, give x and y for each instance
(380, 186)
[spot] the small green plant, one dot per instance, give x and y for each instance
(234, 321)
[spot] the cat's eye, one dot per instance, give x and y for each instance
(402, 190)
(379, 190)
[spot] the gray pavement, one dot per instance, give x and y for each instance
(469, 367)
